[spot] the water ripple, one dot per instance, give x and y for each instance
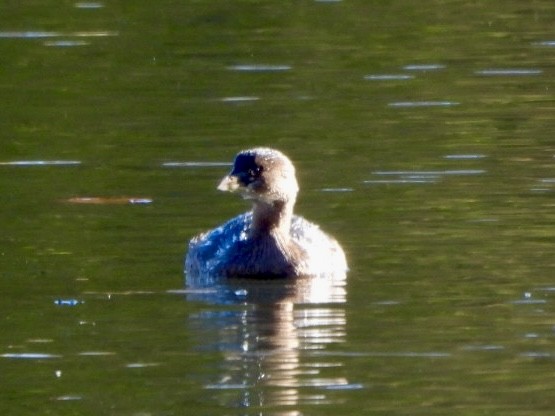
(96, 353)
(66, 43)
(550, 43)
(533, 354)
(68, 398)
(88, 5)
(99, 200)
(38, 34)
(484, 347)
(348, 386)
(68, 302)
(412, 104)
(41, 163)
(415, 177)
(28, 35)
(388, 77)
(30, 355)
(337, 190)
(432, 172)
(239, 99)
(195, 164)
(259, 68)
(141, 365)
(424, 67)
(400, 354)
(509, 72)
(465, 156)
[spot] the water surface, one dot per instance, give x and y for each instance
(422, 136)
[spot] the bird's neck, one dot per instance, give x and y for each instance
(272, 219)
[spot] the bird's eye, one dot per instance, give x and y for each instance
(254, 172)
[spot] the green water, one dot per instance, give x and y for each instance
(422, 133)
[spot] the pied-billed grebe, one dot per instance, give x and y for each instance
(268, 241)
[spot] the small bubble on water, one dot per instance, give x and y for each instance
(241, 292)
(68, 302)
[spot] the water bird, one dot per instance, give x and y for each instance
(269, 241)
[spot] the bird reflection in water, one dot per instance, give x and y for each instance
(282, 280)
(272, 335)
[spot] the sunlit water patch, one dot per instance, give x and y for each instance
(141, 365)
(386, 303)
(345, 386)
(88, 5)
(543, 185)
(468, 156)
(528, 299)
(424, 67)
(109, 295)
(68, 398)
(97, 200)
(41, 163)
(259, 68)
(38, 34)
(40, 340)
(414, 104)
(69, 39)
(30, 356)
(239, 99)
(509, 72)
(196, 164)
(337, 190)
(549, 43)
(66, 43)
(385, 354)
(388, 77)
(536, 355)
(392, 177)
(68, 302)
(484, 220)
(484, 347)
(32, 34)
(94, 34)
